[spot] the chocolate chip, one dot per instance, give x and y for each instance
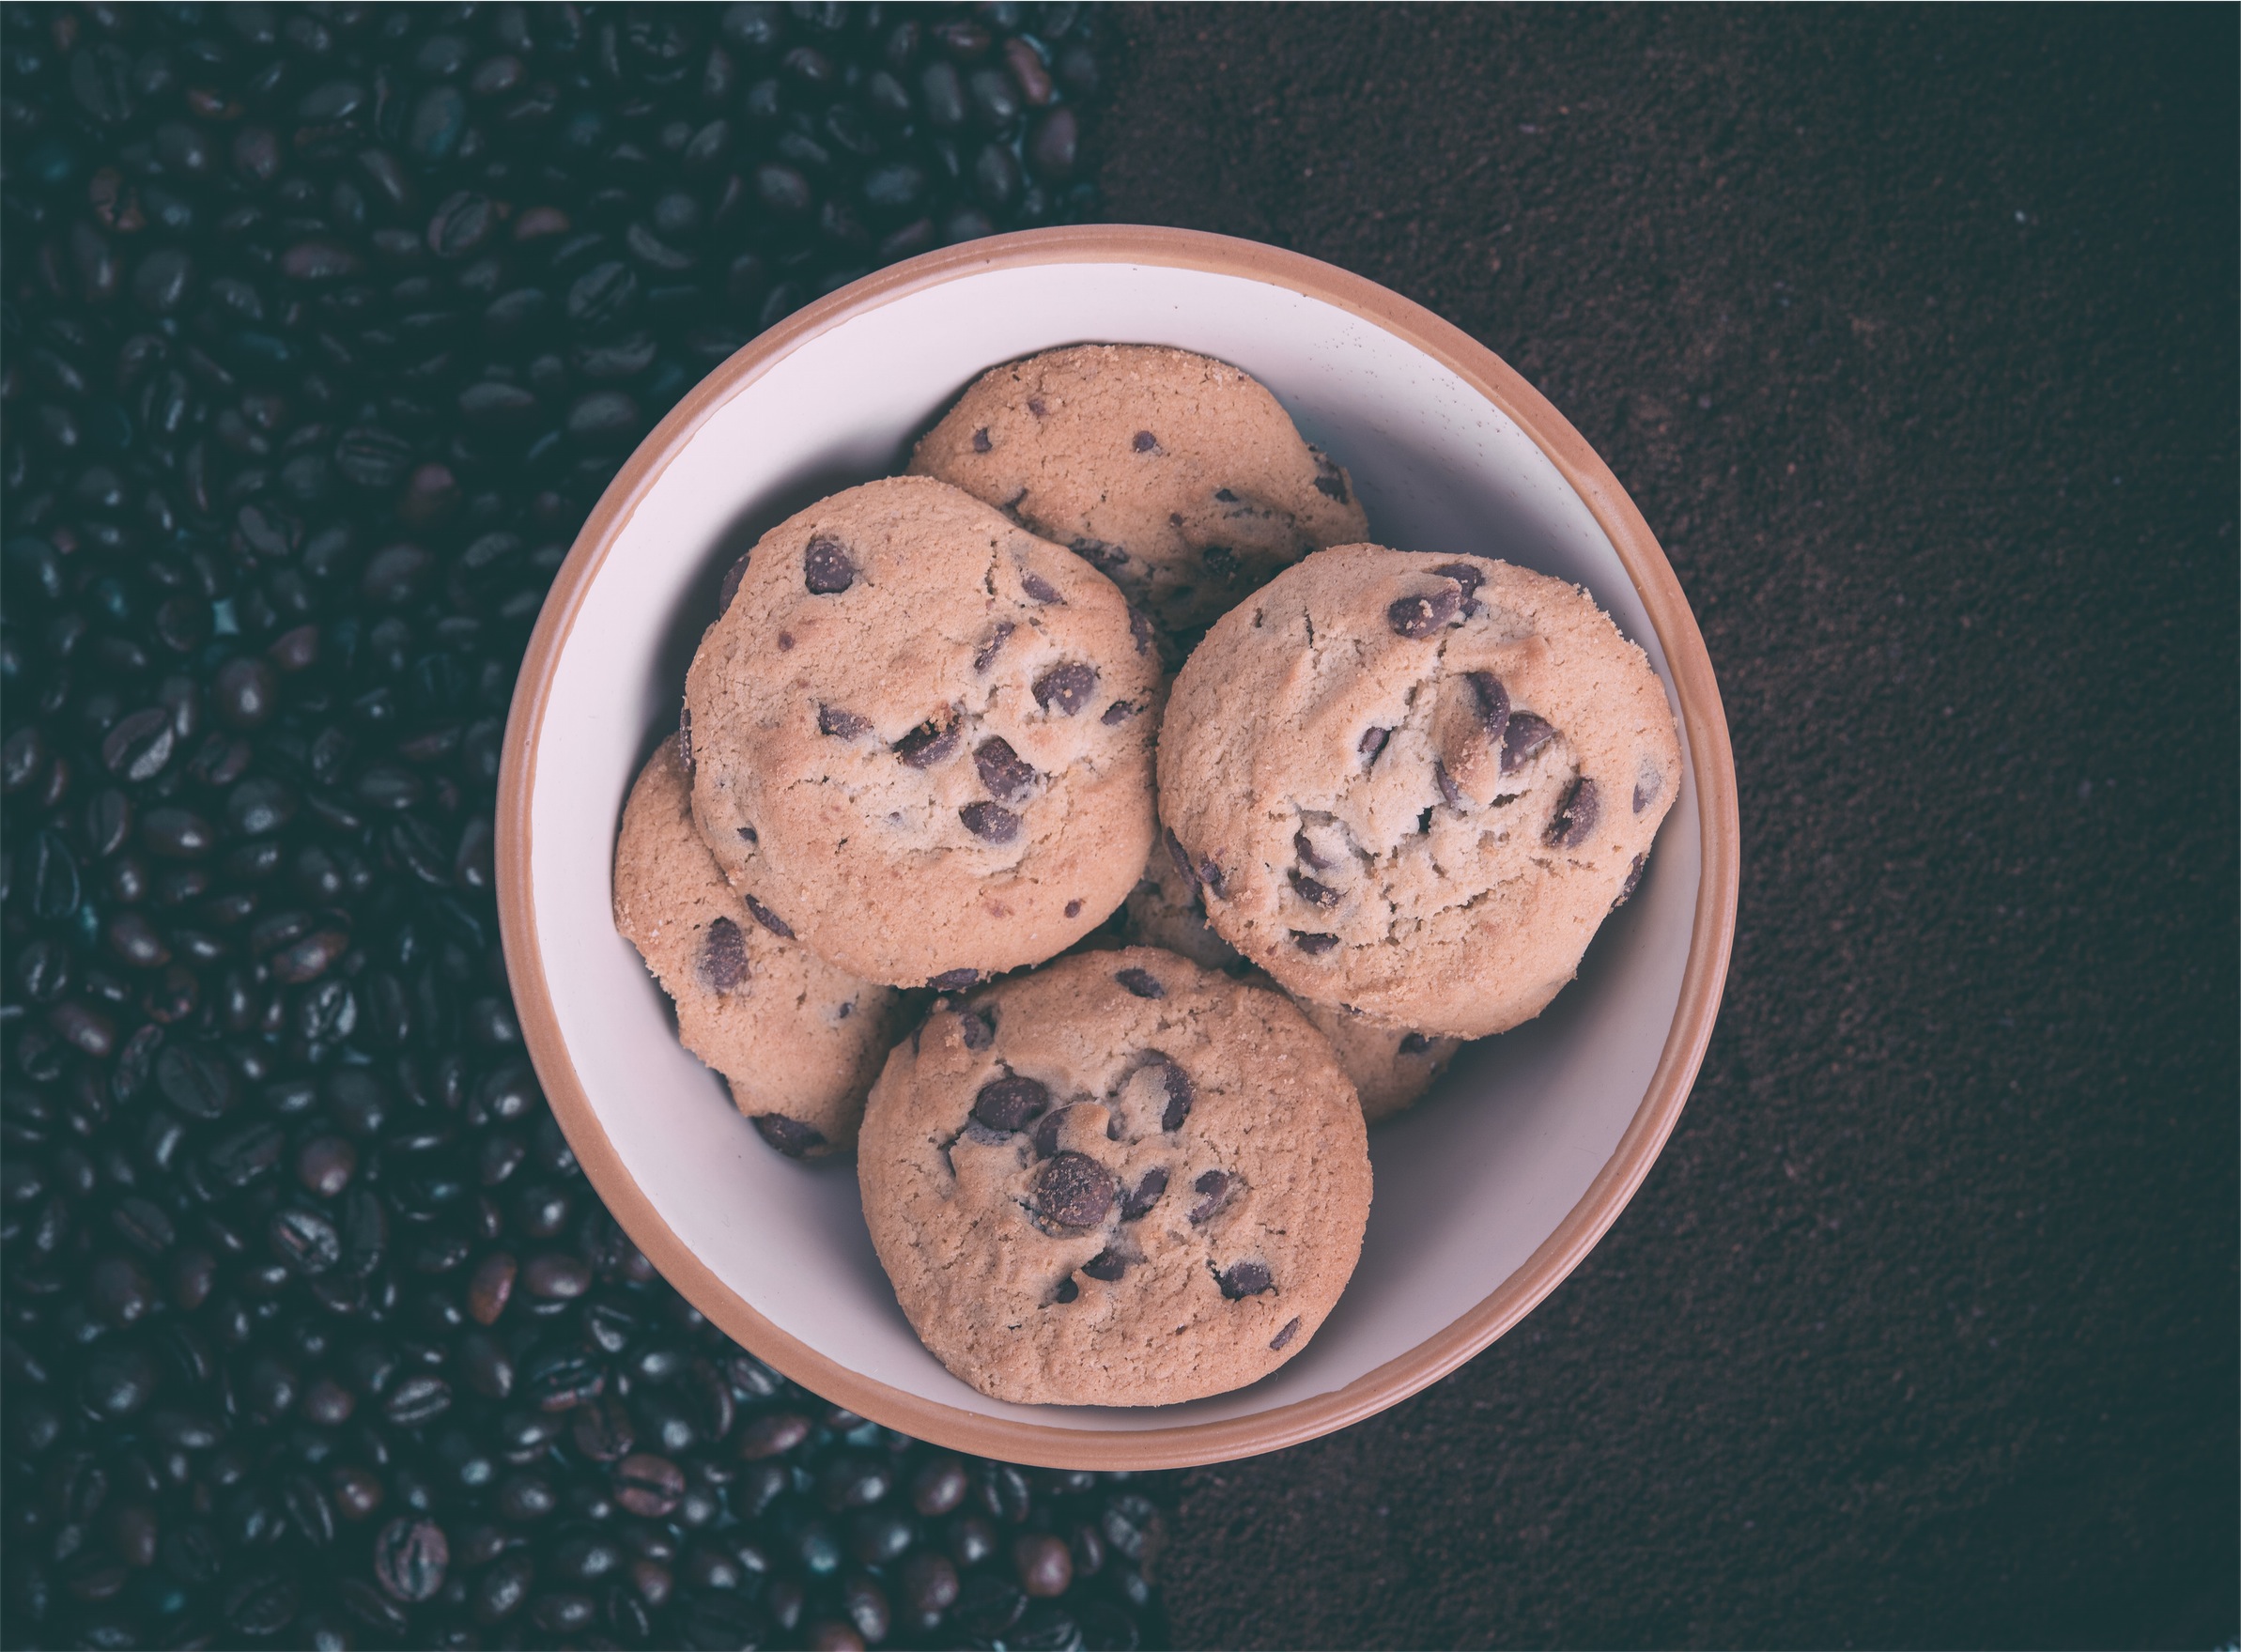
(1414, 1044)
(986, 654)
(1068, 1291)
(1282, 1339)
(1215, 878)
(1522, 740)
(684, 740)
(980, 440)
(974, 1029)
(1074, 909)
(723, 955)
(1220, 562)
(1633, 880)
(1145, 442)
(1141, 981)
(1105, 1265)
(1182, 1092)
(1646, 788)
(746, 835)
(1242, 1280)
(1305, 848)
(1007, 1102)
(1180, 857)
(954, 981)
(1047, 1130)
(1036, 406)
(1448, 789)
(1493, 704)
(1004, 773)
(1098, 553)
(1213, 1189)
(1146, 1193)
(1371, 743)
(1469, 576)
(785, 642)
(1038, 588)
(730, 588)
(931, 742)
(1066, 689)
(768, 920)
(791, 1136)
(842, 725)
(1074, 1190)
(826, 567)
(1118, 712)
(1139, 628)
(1314, 945)
(1575, 816)
(1419, 616)
(1315, 894)
(1330, 479)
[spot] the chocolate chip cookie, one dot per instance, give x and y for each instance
(922, 736)
(799, 1040)
(1119, 1179)
(1391, 1065)
(1179, 475)
(1417, 784)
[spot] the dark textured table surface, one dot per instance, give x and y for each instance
(1913, 336)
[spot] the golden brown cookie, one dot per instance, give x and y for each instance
(1179, 475)
(921, 736)
(799, 1040)
(1119, 1180)
(1417, 784)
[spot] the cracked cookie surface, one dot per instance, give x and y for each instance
(799, 1040)
(1415, 785)
(923, 736)
(1119, 1179)
(1177, 474)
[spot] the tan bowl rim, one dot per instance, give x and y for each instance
(1710, 942)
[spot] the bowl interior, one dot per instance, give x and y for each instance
(1467, 1186)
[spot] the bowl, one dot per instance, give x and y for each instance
(1488, 1192)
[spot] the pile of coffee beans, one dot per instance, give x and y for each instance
(324, 326)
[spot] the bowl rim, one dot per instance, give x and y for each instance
(1711, 937)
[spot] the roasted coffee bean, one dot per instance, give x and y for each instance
(410, 1556)
(648, 1485)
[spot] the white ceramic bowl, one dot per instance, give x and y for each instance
(1488, 1192)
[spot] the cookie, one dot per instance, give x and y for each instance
(1119, 1179)
(922, 736)
(1179, 475)
(1391, 1065)
(1417, 784)
(1165, 910)
(799, 1042)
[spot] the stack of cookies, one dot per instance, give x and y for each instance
(1093, 832)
